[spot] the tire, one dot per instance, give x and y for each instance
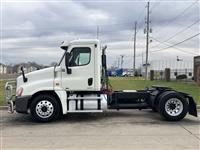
(173, 106)
(45, 108)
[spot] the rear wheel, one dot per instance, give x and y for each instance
(44, 108)
(173, 106)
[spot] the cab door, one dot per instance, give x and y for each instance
(81, 63)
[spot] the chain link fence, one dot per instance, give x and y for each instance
(174, 75)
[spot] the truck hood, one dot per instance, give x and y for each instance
(36, 78)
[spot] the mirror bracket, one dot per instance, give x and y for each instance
(69, 71)
(67, 56)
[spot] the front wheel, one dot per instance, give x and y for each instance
(44, 108)
(173, 106)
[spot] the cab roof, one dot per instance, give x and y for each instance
(79, 41)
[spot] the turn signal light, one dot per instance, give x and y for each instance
(20, 91)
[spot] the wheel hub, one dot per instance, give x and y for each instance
(44, 109)
(174, 107)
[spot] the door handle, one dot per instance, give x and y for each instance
(90, 81)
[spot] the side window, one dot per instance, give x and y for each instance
(79, 56)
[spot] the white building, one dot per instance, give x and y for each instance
(3, 69)
(27, 68)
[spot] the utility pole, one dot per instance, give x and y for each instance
(147, 42)
(142, 64)
(134, 48)
(122, 61)
(97, 32)
(142, 59)
(118, 59)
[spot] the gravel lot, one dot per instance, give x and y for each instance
(126, 129)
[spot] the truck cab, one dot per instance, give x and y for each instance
(83, 71)
(79, 83)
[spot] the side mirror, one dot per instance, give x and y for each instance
(23, 75)
(67, 56)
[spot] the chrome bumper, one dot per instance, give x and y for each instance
(10, 92)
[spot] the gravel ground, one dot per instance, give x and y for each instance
(124, 129)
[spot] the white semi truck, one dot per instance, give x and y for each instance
(79, 84)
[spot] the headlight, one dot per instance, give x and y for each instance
(19, 92)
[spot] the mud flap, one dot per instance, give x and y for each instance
(192, 107)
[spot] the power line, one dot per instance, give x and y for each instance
(186, 9)
(171, 37)
(176, 43)
(181, 13)
(170, 46)
(139, 19)
(191, 53)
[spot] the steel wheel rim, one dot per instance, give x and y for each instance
(44, 109)
(174, 107)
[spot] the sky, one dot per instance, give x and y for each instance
(32, 30)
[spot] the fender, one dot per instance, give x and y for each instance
(63, 99)
(192, 110)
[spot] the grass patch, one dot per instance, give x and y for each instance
(130, 83)
(2, 99)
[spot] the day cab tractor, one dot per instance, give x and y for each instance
(79, 84)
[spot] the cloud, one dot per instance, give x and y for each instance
(43, 18)
(33, 29)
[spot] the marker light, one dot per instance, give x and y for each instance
(20, 91)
